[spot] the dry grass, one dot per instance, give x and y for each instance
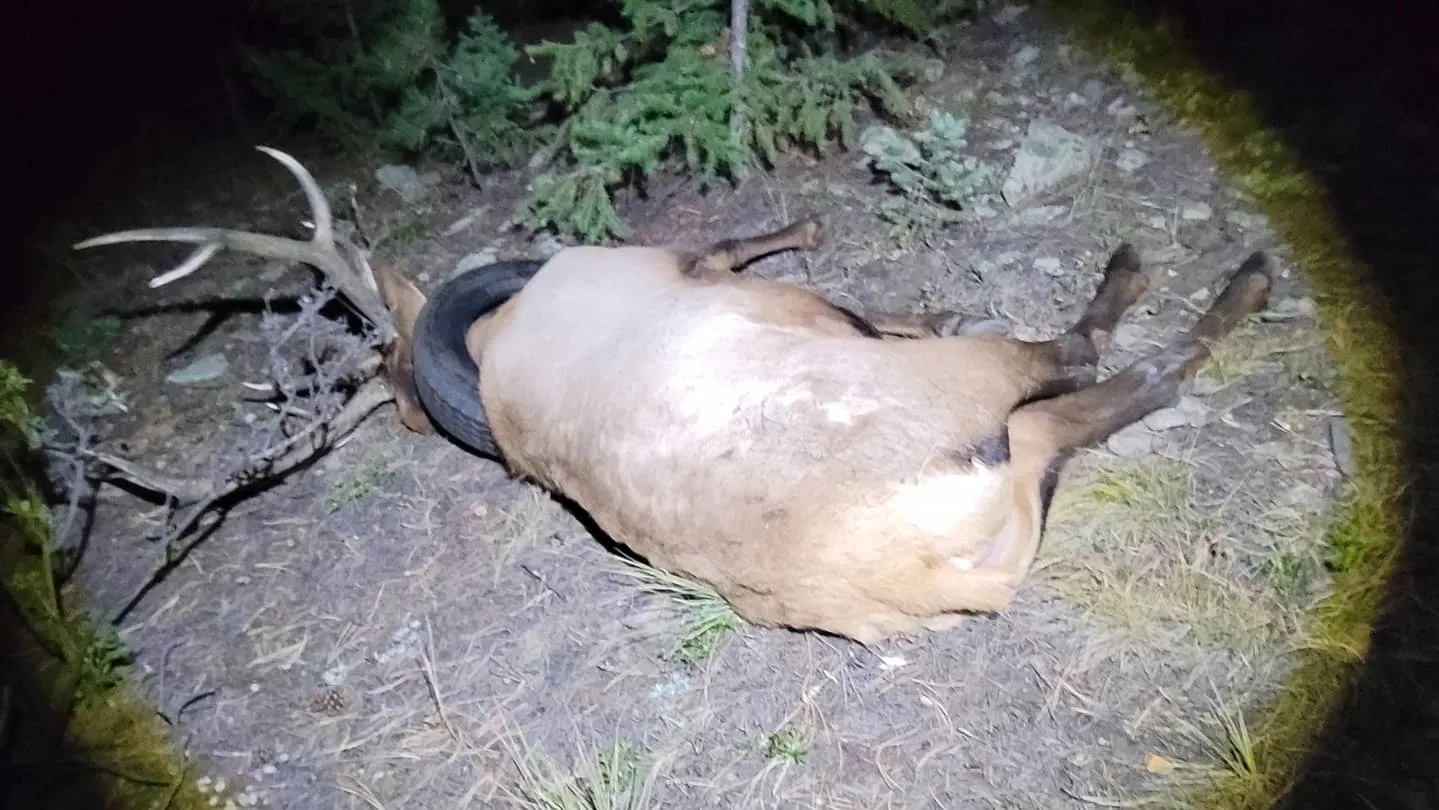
(703, 617)
(1133, 547)
(1257, 348)
(610, 779)
(533, 517)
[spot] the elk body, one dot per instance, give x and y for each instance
(855, 473)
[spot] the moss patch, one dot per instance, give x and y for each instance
(1364, 536)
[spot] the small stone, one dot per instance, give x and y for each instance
(463, 222)
(982, 211)
(1290, 308)
(1195, 211)
(1120, 109)
(220, 785)
(1247, 222)
(1025, 56)
(403, 180)
(1130, 336)
(1196, 412)
(476, 260)
(1204, 386)
(335, 675)
(1049, 266)
(1165, 419)
(1041, 214)
(1008, 257)
(547, 245)
(1158, 765)
(1157, 222)
(269, 769)
(1093, 90)
(1130, 160)
(1008, 14)
(201, 370)
(272, 271)
(1132, 441)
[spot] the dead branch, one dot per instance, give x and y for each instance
(272, 463)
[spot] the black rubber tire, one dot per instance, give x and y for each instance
(446, 378)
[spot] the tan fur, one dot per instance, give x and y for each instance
(404, 301)
(737, 431)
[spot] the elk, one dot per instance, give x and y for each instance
(860, 473)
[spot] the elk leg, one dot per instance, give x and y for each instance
(1074, 355)
(1044, 434)
(1089, 416)
(730, 255)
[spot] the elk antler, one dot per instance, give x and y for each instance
(337, 259)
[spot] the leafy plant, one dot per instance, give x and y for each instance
(661, 91)
(386, 74)
(930, 171)
(786, 743)
(91, 657)
(82, 337)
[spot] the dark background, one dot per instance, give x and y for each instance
(90, 88)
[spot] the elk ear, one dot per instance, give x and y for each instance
(404, 301)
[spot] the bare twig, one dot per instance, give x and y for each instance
(273, 462)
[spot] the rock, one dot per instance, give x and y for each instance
(1248, 222)
(1135, 440)
(547, 245)
(1047, 156)
(1121, 109)
(272, 271)
(402, 180)
(1041, 214)
(200, 370)
(1195, 212)
(1204, 386)
(464, 222)
(1195, 411)
(1129, 336)
(1289, 308)
(475, 260)
(1341, 445)
(1131, 160)
(982, 211)
(1049, 266)
(1008, 14)
(1024, 57)
(1165, 419)
(1188, 411)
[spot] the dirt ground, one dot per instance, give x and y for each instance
(376, 629)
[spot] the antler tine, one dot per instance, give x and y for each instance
(342, 263)
(319, 206)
